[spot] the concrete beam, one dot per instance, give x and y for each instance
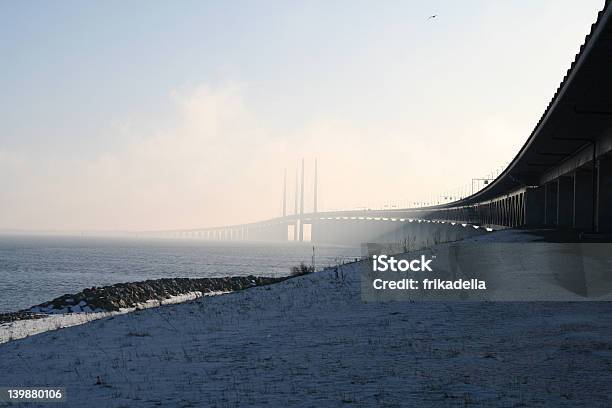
(583, 200)
(565, 201)
(604, 195)
(550, 203)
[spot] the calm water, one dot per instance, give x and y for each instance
(34, 269)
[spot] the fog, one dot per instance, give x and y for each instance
(390, 123)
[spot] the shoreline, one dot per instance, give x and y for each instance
(121, 298)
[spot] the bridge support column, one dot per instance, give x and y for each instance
(471, 214)
(507, 213)
(565, 201)
(604, 195)
(515, 209)
(312, 229)
(510, 211)
(301, 233)
(523, 208)
(550, 203)
(504, 211)
(583, 200)
(496, 213)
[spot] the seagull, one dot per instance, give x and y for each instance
(432, 16)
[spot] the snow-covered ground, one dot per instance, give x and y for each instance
(311, 341)
(24, 328)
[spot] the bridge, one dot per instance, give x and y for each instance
(561, 177)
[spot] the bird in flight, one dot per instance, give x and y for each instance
(432, 16)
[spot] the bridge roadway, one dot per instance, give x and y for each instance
(561, 177)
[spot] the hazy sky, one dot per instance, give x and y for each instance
(152, 115)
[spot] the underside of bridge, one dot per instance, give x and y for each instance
(562, 176)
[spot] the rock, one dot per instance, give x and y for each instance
(21, 315)
(132, 294)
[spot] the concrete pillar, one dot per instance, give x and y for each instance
(519, 210)
(583, 200)
(604, 195)
(506, 206)
(493, 213)
(516, 210)
(508, 201)
(302, 205)
(508, 211)
(522, 210)
(550, 203)
(470, 214)
(312, 229)
(565, 201)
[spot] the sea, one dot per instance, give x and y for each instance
(38, 268)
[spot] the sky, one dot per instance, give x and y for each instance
(148, 115)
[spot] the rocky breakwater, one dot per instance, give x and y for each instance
(135, 294)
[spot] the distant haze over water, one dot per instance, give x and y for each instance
(34, 269)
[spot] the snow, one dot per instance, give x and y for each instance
(311, 341)
(58, 319)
